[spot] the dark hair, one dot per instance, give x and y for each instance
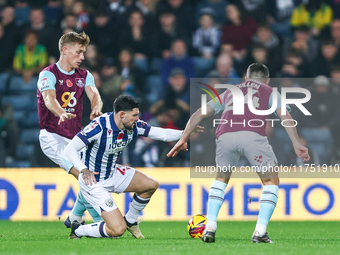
(328, 41)
(125, 103)
(258, 71)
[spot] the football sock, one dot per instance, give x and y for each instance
(216, 196)
(80, 206)
(137, 205)
(95, 216)
(267, 205)
(97, 229)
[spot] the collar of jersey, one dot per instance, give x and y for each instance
(63, 71)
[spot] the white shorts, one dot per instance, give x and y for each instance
(53, 146)
(98, 195)
(256, 148)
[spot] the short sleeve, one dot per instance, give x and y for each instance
(143, 128)
(91, 132)
(46, 81)
(89, 80)
(216, 105)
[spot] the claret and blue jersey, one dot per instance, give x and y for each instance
(105, 142)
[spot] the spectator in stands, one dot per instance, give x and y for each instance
(7, 52)
(127, 79)
(176, 98)
(179, 58)
(22, 12)
(11, 30)
(317, 128)
(265, 36)
(259, 54)
(183, 11)
(206, 39)
(93, 59)
(136, 37)
(335, 32)
(303, 42)
(328, 57)
(218, 6)
(9, 132)
(224, 69)
(316, 14)
(167, 31)
(278, 16)
(103, 33)
(52, 11)
(70, 21)
(255, 9)
(79, 10)
(30, 58)
(289, 70)
(48, 35)
(148, 9)
(238, 30)
(335, 75)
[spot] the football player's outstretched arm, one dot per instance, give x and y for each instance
(96, 102)
(191, 127)
(53, 105)
(300, 150)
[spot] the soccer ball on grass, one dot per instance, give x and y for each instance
(196, 226)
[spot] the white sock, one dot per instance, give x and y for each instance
(211, 226)
(137, 205)
(261, 228)
(97, 229)
(74, 217)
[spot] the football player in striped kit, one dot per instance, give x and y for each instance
(105, 138)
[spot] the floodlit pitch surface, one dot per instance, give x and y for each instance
(312, 237)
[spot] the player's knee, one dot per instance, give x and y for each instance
(116, 230)
(120, 230)
(154, 185)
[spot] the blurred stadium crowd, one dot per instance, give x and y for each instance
(151, 49)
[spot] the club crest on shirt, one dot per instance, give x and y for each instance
(109, 202)
(80, 82)
(69, 83)
(110, 131)
(90, 126)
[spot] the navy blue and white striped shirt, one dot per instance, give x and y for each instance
(105, 142)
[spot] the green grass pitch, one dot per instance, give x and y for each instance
(172, 238)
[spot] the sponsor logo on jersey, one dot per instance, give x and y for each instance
(122, 171)
(44, 83)
(80, 82)
(61, 82)
(69, 83)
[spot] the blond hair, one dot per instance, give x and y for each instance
(74, 37)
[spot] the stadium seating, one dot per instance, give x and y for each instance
(3, 82)
(30, 136)
(19, 102)
(24, 152)
(17, 86)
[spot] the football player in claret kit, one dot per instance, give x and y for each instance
(105, 138)
(60, 93)
(248, 140)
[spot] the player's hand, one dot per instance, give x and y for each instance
(66, 116)
(94, 114)
(88, 176)
(301, 151)
(180, 145)
(198, 129)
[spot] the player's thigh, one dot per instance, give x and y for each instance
(97, 196)
(53, 146)
(141, 183)
(227, 155)
(115, 221)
